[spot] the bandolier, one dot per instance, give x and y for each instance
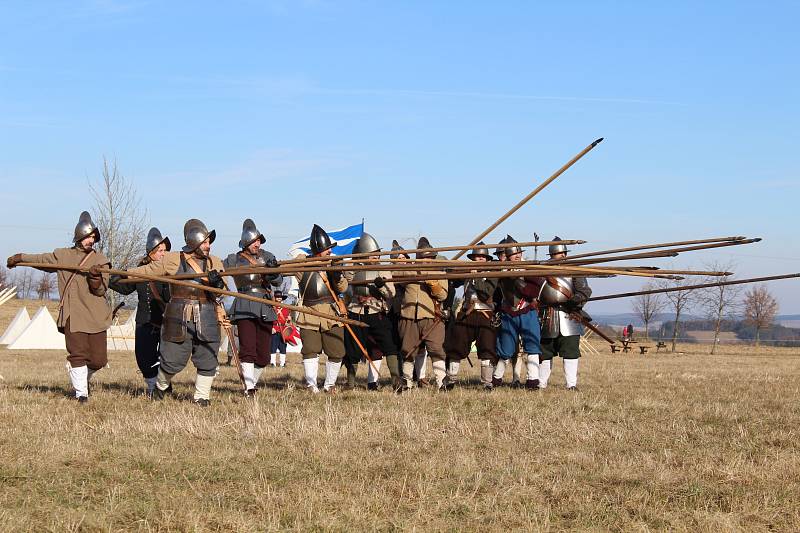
(421, 322)
(473, 322)
(370, 301)
(518, 321)
(192, 318)
(253, 320)
(152, 300)
(83, 312)
(562, 300)
(320, 291)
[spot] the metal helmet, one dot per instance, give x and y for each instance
(480, 250)
(510, 250)
(397, 248)
(84, 228)
(425, 243)
(194, 233)
(154, 238)
(500, 250)
(554, 249)
(320, 241)
(250, 234)
(366, 244)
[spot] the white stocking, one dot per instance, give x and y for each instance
(247, 373)
(79, 376)
(331, 374)
(311, 367)
(571, 372)
(439, 371)
(371, 377)
(545, 367)
(532, 360)
(500, 369)
(202, 387)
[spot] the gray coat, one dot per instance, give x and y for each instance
(253, 285)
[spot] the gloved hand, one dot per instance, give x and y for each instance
(215, 279)
(94, 271)
(379, 282)
(13, 260)
(271, 263)
(114, 279)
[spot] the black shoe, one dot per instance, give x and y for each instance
(496, 382)
(159, 394)
(202, 402)
(532, 384)
(488, 387)
(373, 386)
(83, 399)
(516, 385)
(250, 393)
(573, 388)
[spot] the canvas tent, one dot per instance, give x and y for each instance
(13, 330)
(41, 333)
(122, 336)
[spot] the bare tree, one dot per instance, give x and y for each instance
(23, 279)
(45, 285)
(678, 302)
(5, 278)
(760, 308)
(646, 306)
(120, 217)
(721, 302)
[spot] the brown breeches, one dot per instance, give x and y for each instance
(86, 349)
(412, 333)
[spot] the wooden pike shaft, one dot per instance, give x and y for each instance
(463, 249)
(659, 245)
(693, 287)
(644, 255)
(533, 193)
(214, 290)
(528, 272)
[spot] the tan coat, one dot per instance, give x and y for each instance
(419, 300)
(86, 312)
(317, 323)
(170, 263)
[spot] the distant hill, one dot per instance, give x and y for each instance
(623, 319)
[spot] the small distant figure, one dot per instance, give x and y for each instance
(627, 332)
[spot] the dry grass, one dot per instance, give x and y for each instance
(679, 442)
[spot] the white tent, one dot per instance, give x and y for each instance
(13, 330)
(122, 336)
(41, 333)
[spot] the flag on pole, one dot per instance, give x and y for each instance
(344, 238)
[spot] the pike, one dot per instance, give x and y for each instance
(659, 245)
(222, 292)
(462, 249)
(586, 322)
(222, 317)
(645, 255)
(518, 274)
(693, 287)
(533, 193)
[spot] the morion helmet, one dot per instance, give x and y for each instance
(366, 244)
(425, 243)
(480, 250)
(84, 228)
(554, 249)
(154, 238)
(194, 233)
(320, 241)
(250, 234)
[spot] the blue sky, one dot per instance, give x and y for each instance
(421, 117)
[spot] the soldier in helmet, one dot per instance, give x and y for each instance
(516, 360)
(320, 291)
(153, 297)
(562, 300)
(518, 321)
(371, 299)
(192, 319)
(473, 323)
(83, 312)
(253, 320)
(421, 322)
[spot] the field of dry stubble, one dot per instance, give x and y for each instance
(680, 442)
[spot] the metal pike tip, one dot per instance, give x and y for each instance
(598, 141)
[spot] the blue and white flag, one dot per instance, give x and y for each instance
(345, 240)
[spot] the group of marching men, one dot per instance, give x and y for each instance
(520, 321)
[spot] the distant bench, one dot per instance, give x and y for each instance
(643, 349)
(660, 345)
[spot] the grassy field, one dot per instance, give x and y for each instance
(678, 442)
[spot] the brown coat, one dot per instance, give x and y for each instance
(86, 311)
(170, 263)
(418, 300)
